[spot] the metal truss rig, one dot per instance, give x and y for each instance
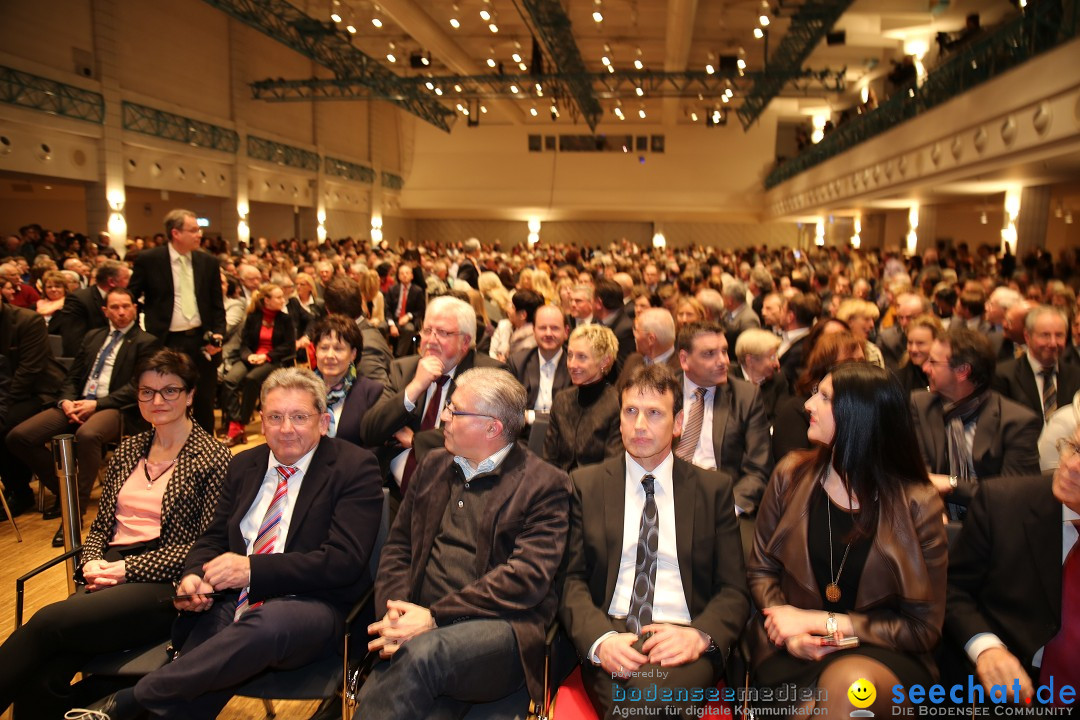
(617, 85)
(332, 49)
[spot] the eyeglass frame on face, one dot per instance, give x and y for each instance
(146, 394)
(1066, 448)
(449, 408)
(441, 334)
(296, 419)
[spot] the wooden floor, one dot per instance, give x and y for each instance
(36, 548)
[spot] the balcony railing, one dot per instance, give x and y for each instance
(1043, 26)
(348, 170)
(280, 154)
(39, 93)
(392, 181)
(169, 126)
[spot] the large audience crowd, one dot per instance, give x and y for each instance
(839, 431)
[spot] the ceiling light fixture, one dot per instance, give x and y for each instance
(597, 16)
(335, 17)
(351, 28)
(376, 22)
(491, 62)
(523, 67)
(710, 69)
(764, 20)
(514, 89)
(455, 23)
(741, 63)
(493, 27)
(639, 91)
(485, 15)
(532, 111)
(516, 57)
(641, 113)
(638, 62)
(759, 33)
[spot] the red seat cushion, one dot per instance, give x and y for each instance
(571, 702)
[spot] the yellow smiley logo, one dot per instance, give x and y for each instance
(862, 693)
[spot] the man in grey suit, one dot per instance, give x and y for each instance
(893, 340)
(968, 432)
(739, 315)
(696, 600)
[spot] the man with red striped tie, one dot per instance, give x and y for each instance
(285, 556)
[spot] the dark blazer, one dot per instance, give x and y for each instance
(1005, 567)
(623, 327)
(900, 603)
(636, 360)
(331, 534)
(362, 397)
(282, 341)
(707, 543)
(1006, 440)
(301, 318)
(24, 342)
(468, 272)
(520, 542)
(375, 358)
(792, 360)
(912, 378)
(772, 390)
(151, 281)
(135, 346)
(525, 366)
(83, 310)
(186, 509)
(583, 435)
(789, 427)
(389, 414)
(893, 345)
(1015, 380)
(741, 437)
(415, 303)
(745, 319)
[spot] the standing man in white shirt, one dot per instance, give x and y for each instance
(655, 594)
(542, 370)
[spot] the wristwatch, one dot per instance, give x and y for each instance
(953, 481)
(830, 624)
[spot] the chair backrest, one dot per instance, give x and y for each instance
(538, 433)
(56, 344)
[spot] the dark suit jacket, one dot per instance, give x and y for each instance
(415, 303)
(741, 438)
(706, 539)
(1005, 567)
(636, 360)
(331, 534)
(24, 342)
(301, 318)
(282, 341)
(525, 366)
(519, 548)
(83, 311)
(468, 272)
(792, 360)
(893, 345)
(744, 320)
(583, 435)
(362, 397)
(151, 281)
(789, 427)
(1015, 380)
(389, 414)
(900, 603)
(1006, 439)
(772, 390)
(623, 327)
(135, 346)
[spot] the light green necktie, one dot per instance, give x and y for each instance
(187, 288)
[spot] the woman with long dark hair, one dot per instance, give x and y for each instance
(850, 548)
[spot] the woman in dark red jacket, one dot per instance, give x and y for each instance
(267, 340)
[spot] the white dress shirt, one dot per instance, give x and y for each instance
(180, 323)
(397, 465)
(249, 526)
(548, 368)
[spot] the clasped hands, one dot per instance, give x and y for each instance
(402, 622)
(666, 645)
(78, 411)
(100, 574)
(795, 629)
(227, 571)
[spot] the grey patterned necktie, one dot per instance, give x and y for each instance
(641, 597)
(1049, 393)
(691, 432)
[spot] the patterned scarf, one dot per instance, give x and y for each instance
(337, 393)
(957, 415)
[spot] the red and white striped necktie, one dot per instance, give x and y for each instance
(266, 539)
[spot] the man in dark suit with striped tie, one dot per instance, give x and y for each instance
(654, 575)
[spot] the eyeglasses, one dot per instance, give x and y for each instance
(297, 419)
(1066, 449)
(437, 332)
(168, 393)
(449, 409)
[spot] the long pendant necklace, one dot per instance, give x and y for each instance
(832, 590)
